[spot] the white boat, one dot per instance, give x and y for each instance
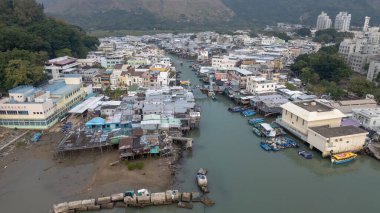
(202, 179)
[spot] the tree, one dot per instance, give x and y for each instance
(303, 32)
(307, 75)
(360, 86)
(22, 72)
(290, 86)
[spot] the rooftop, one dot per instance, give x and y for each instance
(313, 106)
(328, 132)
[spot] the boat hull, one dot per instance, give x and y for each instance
(342, 161)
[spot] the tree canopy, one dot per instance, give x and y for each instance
(326, 63)
(28, 38)
(331, 36)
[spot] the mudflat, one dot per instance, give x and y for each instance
(31, 174)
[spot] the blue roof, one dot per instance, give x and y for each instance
(96, 121)
(22, 89)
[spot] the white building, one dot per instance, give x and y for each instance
(366, 23)
(323, 21)
(60, 66)
(225, 62)
(258, 85)
(369, 118)
(342, 21)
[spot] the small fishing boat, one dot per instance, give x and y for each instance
(202, 179)
(305, 154)
(235, 109)
(265, 146)
(248, 113)
(254, 121)
(342, 158)
(257, 132)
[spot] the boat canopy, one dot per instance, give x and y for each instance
(345, 155)
(266, 127)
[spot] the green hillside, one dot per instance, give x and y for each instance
(28, 37)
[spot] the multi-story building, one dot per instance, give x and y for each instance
(359, 51)
(260, 85)
(28, 107)
(323, 21)
(239, 76)
(320, 126)
(111, 60)
(366, 23)
(58, 67)
(225, 62)
(342, 21)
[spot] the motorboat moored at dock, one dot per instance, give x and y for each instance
(342, 158)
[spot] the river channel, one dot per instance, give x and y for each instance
(244, 178)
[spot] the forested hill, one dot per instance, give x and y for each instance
(179, 14)
(28, 37)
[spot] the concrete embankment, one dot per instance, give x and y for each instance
(130, 200)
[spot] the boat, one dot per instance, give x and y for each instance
(257, 132)
(265, 146)
(254, 121)
(202, 179)
(267, 130)
(235, 109)
(342, 158)
(305, 154)
(248, 113)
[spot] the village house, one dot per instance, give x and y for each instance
(260, 85)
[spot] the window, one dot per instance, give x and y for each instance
(303, 122)
(23, 112)
(291, 115)
(297, 118)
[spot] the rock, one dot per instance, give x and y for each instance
(158, 198)
(130, 200)
(120, 205)
(61, 207)
(117, 197)
(103, 200)
(75, 204)
(144, 200)
(207, 201)
(196, 197)
(93, 208)
(89, 202)
(107, 205)
(172, 196)
(186, 197)
(185, 205)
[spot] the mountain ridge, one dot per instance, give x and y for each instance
(177, 14)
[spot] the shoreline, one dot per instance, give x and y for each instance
(82, 175)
